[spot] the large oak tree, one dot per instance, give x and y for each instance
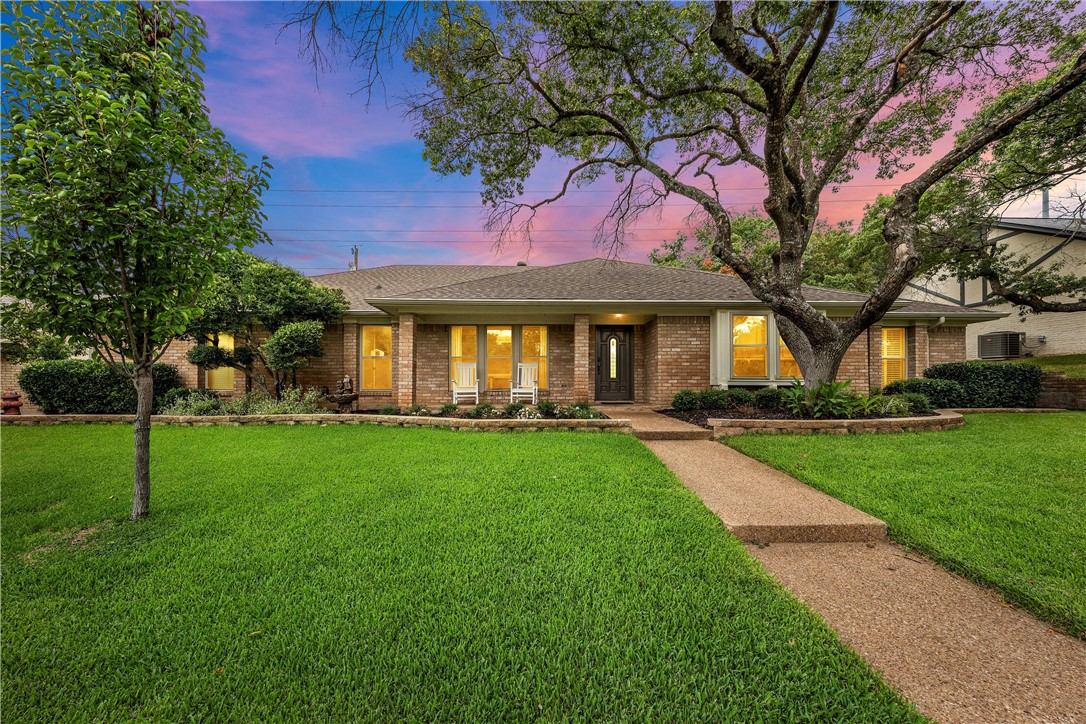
(664, 99)
(118, 191)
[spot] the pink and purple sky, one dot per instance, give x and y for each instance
(346, 175)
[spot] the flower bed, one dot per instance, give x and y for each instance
(515, 411)
(941, 420)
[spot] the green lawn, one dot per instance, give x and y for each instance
(366, 573)
(1001, 500)
(1072, 365)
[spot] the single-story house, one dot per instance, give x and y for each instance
(597, 330)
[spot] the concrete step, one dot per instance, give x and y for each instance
(761, 505)
(695, 434)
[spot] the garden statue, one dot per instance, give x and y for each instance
(345, 394)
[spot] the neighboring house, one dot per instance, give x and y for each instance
(597, 330)
(1044, 242)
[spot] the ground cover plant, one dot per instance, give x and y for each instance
(292, 401)
(369, 573)
(1001, 500)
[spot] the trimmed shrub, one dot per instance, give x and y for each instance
(769, 398)
(418, 410)
(447, 410)
(483, 410)
(941, 393)
(714, 399)
(919, 404)
(989, 384)
(88, 387)
(514, 408)
(685, 400)
(546, 408)
(739, 397)
(389, 410)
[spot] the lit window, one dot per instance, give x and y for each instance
(893, 354)
(499, 357)
(222, 378)
(789, 366)
(750, 346)
(533, 350)
(462, 349)
(377, 357)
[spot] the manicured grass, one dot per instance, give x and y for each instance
(1072, 365)
(365, 573)
(1001, 500)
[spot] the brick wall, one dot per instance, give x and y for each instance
(405, 362)
(640, 394)
(190, 375)
(679, 347)
(946, 344)
(650, 357)
(857, 363)
(1063, 392)
(916, 351)
(432, 364)
(9, 380)
(583, 363)
(560, 361)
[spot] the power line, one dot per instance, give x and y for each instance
(412, 207)
(569, 191)
(426, 241)
(446, 231)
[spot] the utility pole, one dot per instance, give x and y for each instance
(353, 266)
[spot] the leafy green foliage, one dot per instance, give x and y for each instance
(769, 398)
(989, 384)
(119, 192)
(918, 402)
(482, 410)
(249, 296)
(546, 408)
(25, 341)
(389, 410)
(418, 410)
(827, 400)
(447, 410)
(941, 392)
(293, 345)
(478, 525)
(294, 401)
(971, 498)
(87, 387)
(514, 408)
(578, 411)
(740, 397)
(685, 400)
(713, 399)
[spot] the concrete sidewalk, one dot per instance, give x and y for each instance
(953, 648)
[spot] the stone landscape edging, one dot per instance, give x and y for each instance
(454, 423)
(943, 420)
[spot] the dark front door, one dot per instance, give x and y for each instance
(614, 363)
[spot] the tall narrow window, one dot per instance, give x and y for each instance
(750, 346)
(222, 378)
(893, 354)
(533, 350)
(499, 357)
(462, 349)
(612, 353)
(377, 357)
(789, 366)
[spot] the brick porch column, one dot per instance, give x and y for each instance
(582, 359)
(405, 362)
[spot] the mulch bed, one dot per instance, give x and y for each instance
(702, 417)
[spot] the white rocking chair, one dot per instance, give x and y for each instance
(465, 385)
(527, 383)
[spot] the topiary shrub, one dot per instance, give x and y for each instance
(714, 399)
(919, 404)
(941, 393)
(739, 397)
(685, 400)
(989, 384)
(769, 398)
(88, 387)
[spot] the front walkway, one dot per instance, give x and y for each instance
(953, 648)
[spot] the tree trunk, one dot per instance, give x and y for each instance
(141, 491)
(822, 366)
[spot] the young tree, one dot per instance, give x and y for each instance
(251, 297)
(119, 193)
(666, 98)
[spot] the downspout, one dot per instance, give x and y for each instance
(927, 348)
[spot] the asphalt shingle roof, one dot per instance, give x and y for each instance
(590, 280)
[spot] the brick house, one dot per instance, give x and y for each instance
(598, 330)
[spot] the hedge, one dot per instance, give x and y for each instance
(989, 384)
(941, 393)
(88, 387)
